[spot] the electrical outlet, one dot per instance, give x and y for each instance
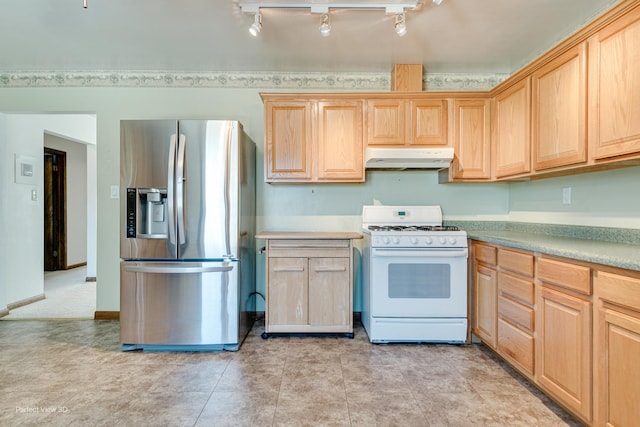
(566, 196)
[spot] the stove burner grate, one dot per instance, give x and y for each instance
(413, 228)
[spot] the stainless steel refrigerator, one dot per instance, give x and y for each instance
(187, 215)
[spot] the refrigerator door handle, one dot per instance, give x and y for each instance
(180, 179)
(171, 190)
(178, 270)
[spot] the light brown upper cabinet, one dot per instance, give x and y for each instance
(406, 121)
(471, 139)
(288, 142)
(340, 145)
(428, 122)
(511, 146)
(386, 122)
(614, 88)
(559, 110)
(313, 140)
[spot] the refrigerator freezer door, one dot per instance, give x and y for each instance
(179, 306)
(208, 213)
(147, 213)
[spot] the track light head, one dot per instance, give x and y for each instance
(400, 25)
(325, 26)
(255, 28)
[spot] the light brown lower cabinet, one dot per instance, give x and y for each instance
(309, 286)
(617, 349)
(573, 328)
(563, 362)
(486, 289)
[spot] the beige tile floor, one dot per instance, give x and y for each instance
(72, 373)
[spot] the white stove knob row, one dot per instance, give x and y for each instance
(395, 240)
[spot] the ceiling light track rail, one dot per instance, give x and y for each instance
(396, 8)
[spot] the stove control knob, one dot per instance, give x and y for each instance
(428, 240)
(443, 240)
(396, 240)
(452, 240)
(414, 240)
(385, 240)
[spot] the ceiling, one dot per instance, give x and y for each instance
(458, 36)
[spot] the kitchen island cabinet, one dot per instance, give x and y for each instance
(309, 282)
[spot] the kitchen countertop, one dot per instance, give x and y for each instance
(611, 253)
(316, 235)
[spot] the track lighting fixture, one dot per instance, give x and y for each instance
(325, 25)
(390, 7)
(255, 28)
(400, 25)
(84, 4)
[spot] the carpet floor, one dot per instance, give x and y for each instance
(67, 296)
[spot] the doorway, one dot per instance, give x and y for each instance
(55, 227)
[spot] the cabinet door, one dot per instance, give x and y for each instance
(428, 122)
(287, 301)
(559, 122)
(471, 139)
(288, 140)
(486, 289)
(614, 88)
(511, 134)
(617, 350)
(386, 124)
(563, 362)
(340, 144)
(329, 292)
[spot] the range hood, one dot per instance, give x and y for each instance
(408, 158)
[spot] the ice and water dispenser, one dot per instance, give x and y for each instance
(147, 213)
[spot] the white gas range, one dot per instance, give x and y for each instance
(414, 276)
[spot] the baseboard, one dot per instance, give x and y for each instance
(71, 267)
(26, 301)
(106, 315)
(90, 279)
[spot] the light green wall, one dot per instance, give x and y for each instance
(283, 207)
(607, 199)
(603, 197)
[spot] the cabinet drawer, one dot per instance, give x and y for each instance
(517, 345)
(618, 289)
(515, 287)
(516, 313)
(484, 253)
(336, 248)
(517, 262)
(575, 277)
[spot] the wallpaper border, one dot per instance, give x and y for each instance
(243, 80)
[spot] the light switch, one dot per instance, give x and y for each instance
(115, 192)
(34, 195)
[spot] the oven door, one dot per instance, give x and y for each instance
(419, 282)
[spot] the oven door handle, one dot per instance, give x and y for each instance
(422, 253)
